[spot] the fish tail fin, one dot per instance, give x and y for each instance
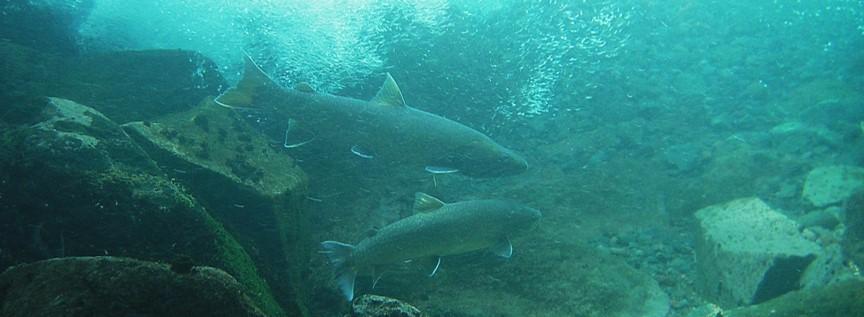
(339, 255)
(253, 83)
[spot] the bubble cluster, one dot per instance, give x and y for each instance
(561, 40)
(327, 43)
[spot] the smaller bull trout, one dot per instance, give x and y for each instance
(436, 229)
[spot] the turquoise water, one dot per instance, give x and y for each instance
(631, 115)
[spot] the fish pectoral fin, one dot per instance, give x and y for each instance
(503, 248)
(389, 94)
(440, 169)
(437, 265)
(362, 152)
(425, 203)
(243, 95)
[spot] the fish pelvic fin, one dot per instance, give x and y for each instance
(243, 95)
(339, 254)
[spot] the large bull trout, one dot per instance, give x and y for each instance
(437, 229)
(385, 128)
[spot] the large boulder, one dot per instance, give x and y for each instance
(72, 182)
(251, 187)
(124, 86)
(111, 286)
(748, 253)
(828, 185)
(381, 306)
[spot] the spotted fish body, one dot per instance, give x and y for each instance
(385, 128)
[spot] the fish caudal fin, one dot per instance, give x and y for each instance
(243, 95)
(339, 253)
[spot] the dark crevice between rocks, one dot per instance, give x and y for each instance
(783, 277)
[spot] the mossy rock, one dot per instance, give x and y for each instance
(252, 188)
(112, 286)
(73, 183)
(218, 140)
(124, 86)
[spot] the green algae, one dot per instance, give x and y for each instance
(255, 191)
(110, 198)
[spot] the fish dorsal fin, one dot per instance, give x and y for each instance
(389, 94)
(425, 203)
(304, 87)
(253, 82)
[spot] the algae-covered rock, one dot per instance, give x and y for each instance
(255, 190)
(214, 139)
(73, 183)
(111, 286)
(124, 86)
(832, 184)
(748, 253)
(843, 299)
(380, 306)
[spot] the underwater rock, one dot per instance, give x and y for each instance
(124, 86)
(843, 299)
(72, 182)
(684, 158)
(853, 239)
(545, 277)
(831, 102)
(749, 253)
(828, 185)
(112, 286)
(210, 139)
(804, 140)
(380, 306)
(254, 189)
(827, 218)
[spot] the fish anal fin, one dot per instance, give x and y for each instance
(243, 95)
(425, 203)
(389, 94)
(503, 248)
